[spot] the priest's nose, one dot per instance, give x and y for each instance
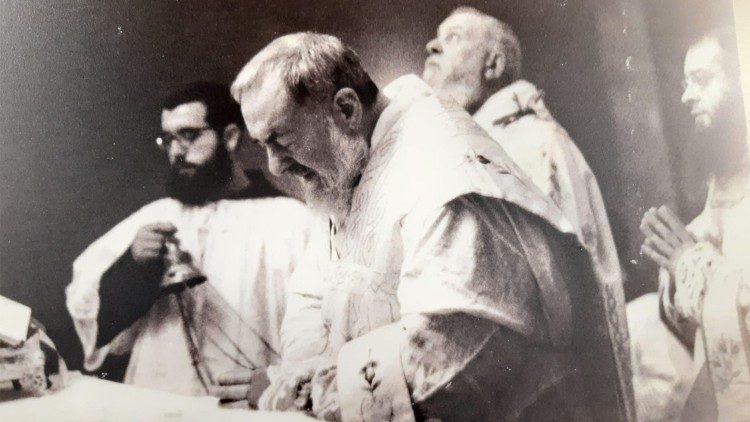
(433, 47)
(277, 163)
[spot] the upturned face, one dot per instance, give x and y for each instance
(456, 58)
(304, 141)
(707, 86)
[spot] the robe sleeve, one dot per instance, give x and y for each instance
(467, 308)
(681, 326)
(304, 334)
(82, 294)
(683, 295)
(126, 292)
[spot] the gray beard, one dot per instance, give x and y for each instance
(335, 202)
(333, 194)
(460, 88)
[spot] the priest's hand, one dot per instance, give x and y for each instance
(291, 389)
(666, 237)
(148, 244)
(241, 388)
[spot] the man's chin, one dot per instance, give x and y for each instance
(193, 187)
(314, 196)
(703, 123)
(330, 201)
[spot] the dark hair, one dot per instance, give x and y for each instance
(311, 65)
(221, 108)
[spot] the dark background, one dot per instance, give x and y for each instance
(80, 84)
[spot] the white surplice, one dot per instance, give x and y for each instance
(708, 300)
(517, 118)
(422, 240)
(247, 248)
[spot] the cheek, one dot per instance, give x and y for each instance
(468, 54)
(200, 153)
(714, 95)
(322, 157)
(451, 60)
(315, 150)
(327, 157)
(171, 155)
(463, 62)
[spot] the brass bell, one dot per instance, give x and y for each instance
(180, 272)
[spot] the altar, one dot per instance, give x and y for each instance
(88, 398)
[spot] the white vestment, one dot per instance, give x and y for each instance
(517, 118)
(708, 300)
(421, 243)
(247, 248)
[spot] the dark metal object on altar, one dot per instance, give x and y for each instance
(180, 272)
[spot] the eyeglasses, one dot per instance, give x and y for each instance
(185, 136)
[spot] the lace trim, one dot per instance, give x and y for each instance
(693, 269)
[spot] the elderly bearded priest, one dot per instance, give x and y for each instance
(450, 286)
(475, 59)
(246, 245)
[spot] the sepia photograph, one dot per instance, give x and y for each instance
(350, 210)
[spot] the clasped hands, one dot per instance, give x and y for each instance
(666, 237)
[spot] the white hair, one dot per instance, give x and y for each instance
(502, 38)
(310, 64)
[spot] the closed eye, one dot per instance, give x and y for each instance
(270, 141)
(281, 140)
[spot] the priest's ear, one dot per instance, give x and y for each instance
(347, 109)
(231, 136)
(494, 65)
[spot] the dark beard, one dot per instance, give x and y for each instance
(206, 184)
(723, 145)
